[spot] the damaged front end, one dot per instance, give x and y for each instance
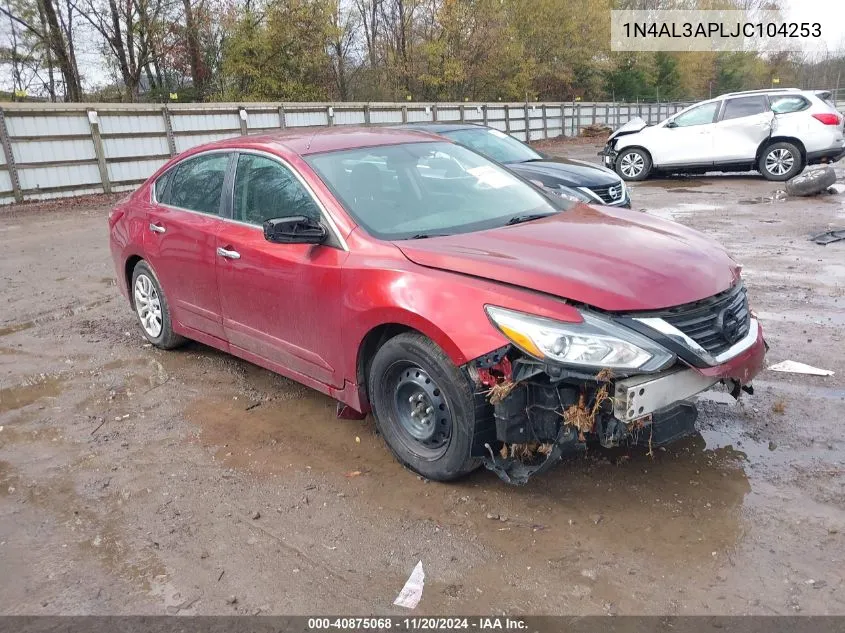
(542, 413)
(608, 153)
(544, 405)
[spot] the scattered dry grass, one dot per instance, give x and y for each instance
(779, 406)
(582, 418)
(500, 391)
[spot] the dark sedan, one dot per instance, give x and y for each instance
(574, 178)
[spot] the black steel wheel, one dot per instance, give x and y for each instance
(424, 407)
(425, 421)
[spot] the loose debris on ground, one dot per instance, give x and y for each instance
(828, 237)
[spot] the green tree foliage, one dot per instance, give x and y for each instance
(279, 53)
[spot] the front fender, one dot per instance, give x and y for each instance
(446, 307)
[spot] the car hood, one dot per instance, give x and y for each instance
(631, 127)
(609, 258)
(565, 171)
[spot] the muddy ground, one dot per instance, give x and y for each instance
(134, 480)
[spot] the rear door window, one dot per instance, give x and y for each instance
(745, 106)
(196, 183)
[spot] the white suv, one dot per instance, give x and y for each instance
(776, 132)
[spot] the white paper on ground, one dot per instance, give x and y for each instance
(793, 367)
(411, 593)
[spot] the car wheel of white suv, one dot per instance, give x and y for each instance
(780, 161)
(633, 164)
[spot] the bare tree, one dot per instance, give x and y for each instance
(41, 21)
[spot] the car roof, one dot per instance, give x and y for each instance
(314, 140)
(440, 128)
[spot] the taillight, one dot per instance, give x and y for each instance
(828, 118)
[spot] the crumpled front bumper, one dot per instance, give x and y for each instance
(608, 156)
(541, 413)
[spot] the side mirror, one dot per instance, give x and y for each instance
(296, 229)
(671, 124)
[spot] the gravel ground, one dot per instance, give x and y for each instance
(146, 482)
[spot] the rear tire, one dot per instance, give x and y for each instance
(633, 164)
(424, 407)
(151, 308)
(780, 161)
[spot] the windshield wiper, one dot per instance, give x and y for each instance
(526, 217)
(422, 236)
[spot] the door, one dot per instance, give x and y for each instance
(181, 239)
(687, 139)
(279, 301)
(745, 123)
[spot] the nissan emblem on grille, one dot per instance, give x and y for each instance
(729, 325)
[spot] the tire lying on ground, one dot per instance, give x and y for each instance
(811, 182)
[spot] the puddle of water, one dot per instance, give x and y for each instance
(17, 327)
(682, 208)
(13, 398)
(777, 196)
(676, 183)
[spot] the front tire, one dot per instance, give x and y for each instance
(633, 164)
(151, 308)
(424, 407)
(780, 161)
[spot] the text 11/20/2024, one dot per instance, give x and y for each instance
(432, 623)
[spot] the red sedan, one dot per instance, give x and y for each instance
(479, 318)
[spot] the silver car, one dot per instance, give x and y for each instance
(776, 132)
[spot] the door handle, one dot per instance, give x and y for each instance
(155, 227)
(228, 254)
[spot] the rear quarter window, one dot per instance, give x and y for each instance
(161, 186)
(787, 104)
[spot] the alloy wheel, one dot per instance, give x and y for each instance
(779, 161)
(148, 306)
(632, 164)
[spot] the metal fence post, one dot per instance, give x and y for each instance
(10, 158)
(330, 115)
(434, 112)
(367, 113)
(404, 114)
(527, 124)
(484, 114)
(94, 122)
(242, 115)
(168, 128)
(577, 120)
(545, 123)
(507, 118)
(282, 117)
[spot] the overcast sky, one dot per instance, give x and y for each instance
(829, 13)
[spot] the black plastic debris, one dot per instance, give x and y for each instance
(828, 237)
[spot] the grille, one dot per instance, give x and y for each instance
(610, 194)
(715, 323)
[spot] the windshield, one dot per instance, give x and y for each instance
(494, 144)
(416, 190)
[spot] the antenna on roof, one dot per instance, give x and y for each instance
(313, 134)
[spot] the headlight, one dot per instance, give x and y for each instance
(569, 193)
(595, 343)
